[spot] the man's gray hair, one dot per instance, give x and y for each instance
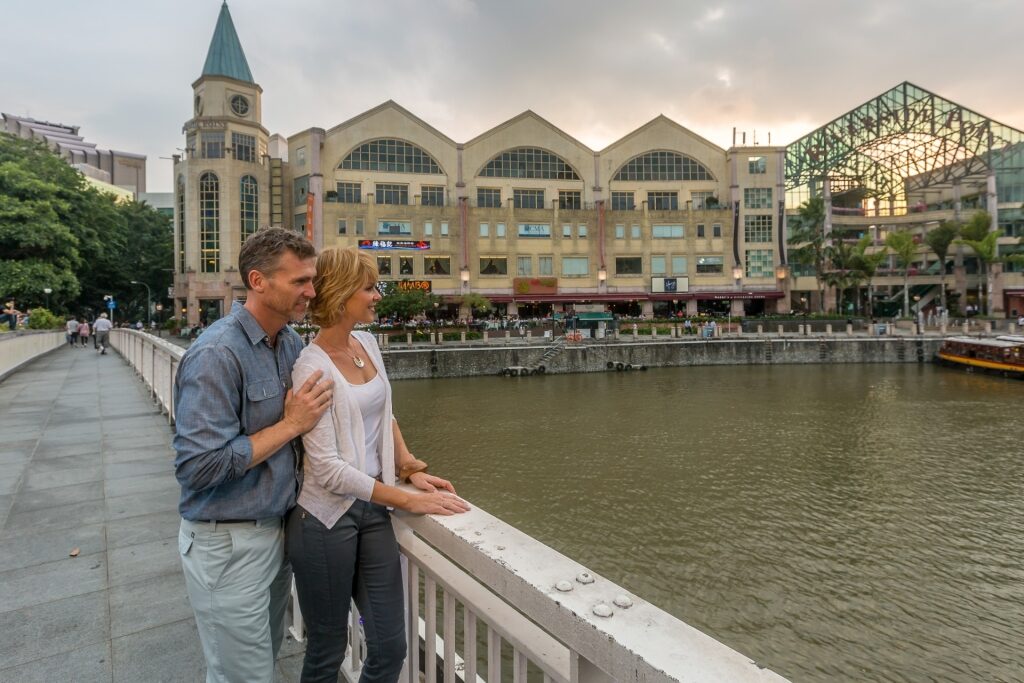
(263, 250)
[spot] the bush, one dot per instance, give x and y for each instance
(42, 319)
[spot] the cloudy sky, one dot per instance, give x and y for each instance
(122, 69)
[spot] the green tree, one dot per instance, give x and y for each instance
(939, 240)
(406, 304)
(987, 251)
(867, 264)
(807, 237)
(842, 272)
(476, 303)
(905, 248)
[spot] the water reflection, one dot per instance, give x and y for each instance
(832, 522)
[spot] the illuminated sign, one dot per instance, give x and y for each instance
(391, 286)
(669, 285)
(402, 245)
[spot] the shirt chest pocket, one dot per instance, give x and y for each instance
(265, 404)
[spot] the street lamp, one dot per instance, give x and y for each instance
(149, 310)
(47, 291)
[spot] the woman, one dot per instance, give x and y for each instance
(339, 537)
(83, 332)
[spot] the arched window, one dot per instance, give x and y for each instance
(529, 162)
(394, 156)
(209, 223)
(181, 224)
(249, 210)
(663, 165)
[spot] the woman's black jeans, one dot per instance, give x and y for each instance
(357, 558)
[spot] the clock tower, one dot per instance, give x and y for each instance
(222, 181)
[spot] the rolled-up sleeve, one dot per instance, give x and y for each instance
(210, 448)
(323, 461)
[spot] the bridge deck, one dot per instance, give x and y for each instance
(85, 462)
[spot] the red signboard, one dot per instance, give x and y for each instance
(309, 216)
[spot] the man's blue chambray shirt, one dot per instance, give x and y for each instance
(231, 384)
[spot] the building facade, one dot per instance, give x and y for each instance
(659, 222)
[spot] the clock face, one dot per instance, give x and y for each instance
(239, 105)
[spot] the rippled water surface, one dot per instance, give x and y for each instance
(835, 523)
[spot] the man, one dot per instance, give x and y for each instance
(10, 315)
(237, 420)
(101, 333)
(72, 327)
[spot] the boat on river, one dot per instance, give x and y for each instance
(1002, 355)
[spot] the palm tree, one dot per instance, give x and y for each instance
(807, 235)
(867, 265)
(939, 241)
(987, 251)
(903, 246)
(842, 273)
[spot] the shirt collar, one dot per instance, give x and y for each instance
(253, 330)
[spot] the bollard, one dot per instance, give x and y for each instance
(828, 329)
(529, 335)
(781, 332)
(674, 331)
(739, 330)
(988, 327)
(888, 329)
(967, 327)
(849, 330)
(654, 331)
(800, 329)
(408, 338)
(760, 330)
(942, 328)
(462, 336)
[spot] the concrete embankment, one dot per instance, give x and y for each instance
(459, 361)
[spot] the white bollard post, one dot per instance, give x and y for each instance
(828, 329)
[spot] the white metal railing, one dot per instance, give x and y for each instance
(506, 590)
(18, 348)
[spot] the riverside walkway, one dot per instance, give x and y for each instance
(86, 464)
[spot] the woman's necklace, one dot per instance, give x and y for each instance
(356, 360)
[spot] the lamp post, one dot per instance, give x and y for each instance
(47, 291)
(149, 310)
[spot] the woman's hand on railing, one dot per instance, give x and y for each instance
(430, 483)
(438, 503)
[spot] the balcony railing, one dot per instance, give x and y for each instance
(564, 623)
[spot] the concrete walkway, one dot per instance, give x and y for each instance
(86, 463)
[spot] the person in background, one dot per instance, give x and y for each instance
(339, 536)
(101, 333)
(72, 329)
(10, 315)
(83, 332)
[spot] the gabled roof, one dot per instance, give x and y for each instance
(528, 114)
(391, 104)
(662, 119)
(225, 57)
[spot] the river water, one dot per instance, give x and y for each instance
(834, 523)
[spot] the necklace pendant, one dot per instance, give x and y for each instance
(358, 362)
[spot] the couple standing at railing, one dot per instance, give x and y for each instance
(253, 506)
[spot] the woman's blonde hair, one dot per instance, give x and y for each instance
(340, 273)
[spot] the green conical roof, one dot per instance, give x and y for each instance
(225, 57)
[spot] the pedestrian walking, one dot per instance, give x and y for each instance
(101, 333)
(72, 331)
(83, 332)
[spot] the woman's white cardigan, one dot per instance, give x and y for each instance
(335, 462)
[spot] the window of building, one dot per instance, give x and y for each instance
(575, 266)
(757, 165)
(359, 226)
(243, 146)
(663, 165)
(700, 199)
(209, 223)
(249, 206)
(405, 265)
(700, 230)
(444, 229)
(623, 201)
(668, 231)
(570, 199)
(488, 197)
(710, 265)
(629, 265)
(679, 265)
(529, 162)
(757, 197)
(342, 226)
(581, 231)
(394, 228)
(393, 156)
(524, 266)
(716, 230)
(567, 231)
(350, 193)
(757, 228)
(493, 265)
(620, 231)
(190, 146)
(384, 265)
(634, 231)
(300, 157)
(428, 229)
(663, 201)
(212, 143)
(528, 199)
(389, 193)
(545, 265)
(181, 224)
(437, 265)
(657, 265)
(485, 230)
(300, 186)
(499, 231)
(759, 263)
(432, 195)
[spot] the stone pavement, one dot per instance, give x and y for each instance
(86, 463)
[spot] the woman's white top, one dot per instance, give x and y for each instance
(370, 398)
(336, 462)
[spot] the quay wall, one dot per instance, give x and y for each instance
(451, 361)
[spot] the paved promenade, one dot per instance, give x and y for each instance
(86, 464)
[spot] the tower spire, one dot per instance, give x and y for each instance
(225, 57)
